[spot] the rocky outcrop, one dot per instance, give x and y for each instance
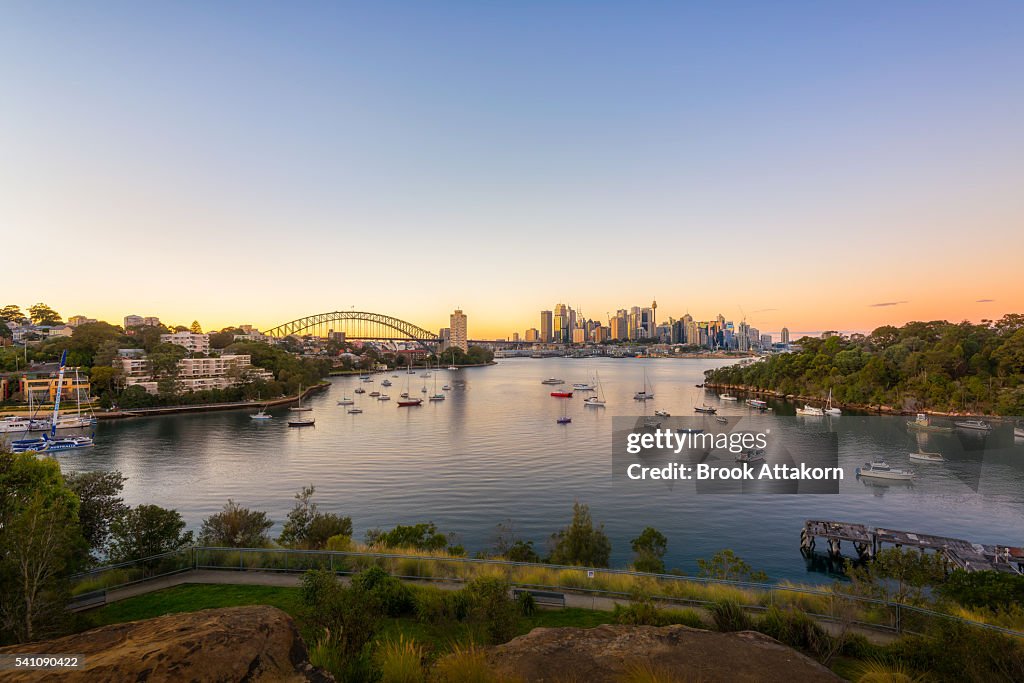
(257, 644)
(605, 653)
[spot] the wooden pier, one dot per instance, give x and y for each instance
(867, 541)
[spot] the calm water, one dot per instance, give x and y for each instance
(493, 452)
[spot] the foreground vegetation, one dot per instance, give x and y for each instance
(939, 366)
(394, 632)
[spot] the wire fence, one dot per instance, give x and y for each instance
(825, 603)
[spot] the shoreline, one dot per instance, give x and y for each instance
(873, 408)
(209, 407)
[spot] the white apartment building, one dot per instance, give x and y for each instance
(196, 374)
(459, 330)
(193, 343)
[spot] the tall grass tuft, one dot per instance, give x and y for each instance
(880, 671)
(730, 616)
(401, 661)
(646, 672)
(466, 664)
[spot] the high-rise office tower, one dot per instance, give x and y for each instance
(545, 326)
(561, 324)
(459, 328)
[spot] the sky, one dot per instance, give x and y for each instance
(836, 165)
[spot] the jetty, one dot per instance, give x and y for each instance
(867, 541)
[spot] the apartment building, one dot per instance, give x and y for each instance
(193, 343)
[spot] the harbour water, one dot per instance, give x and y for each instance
(493, 452)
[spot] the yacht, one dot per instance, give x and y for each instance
(14, 424)
(552, 380)
(829, 409)
(810, 411)
(262, 415)
(643, 395)
(410, 402)
(447, 387)
(598, 399)
(923, 424)
(757, 404)
(727, 397)
(705, 408)
(925, 456)
(354, 411)
(374, 393)
(386, 383)
(881, 470)
(662, 413)
(751, 456)
(345, 401)
(583, 386)
(977, 425)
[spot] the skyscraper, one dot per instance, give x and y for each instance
(545, 326)
(459, 328)
(561, 324)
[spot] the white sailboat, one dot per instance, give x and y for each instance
(829, 409)
(643, 395)
(597, 400)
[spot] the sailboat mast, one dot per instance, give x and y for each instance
(56, 400)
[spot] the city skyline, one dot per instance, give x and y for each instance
(815, 167)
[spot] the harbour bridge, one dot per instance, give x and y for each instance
(356, 325)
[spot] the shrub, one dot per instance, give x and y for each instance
(795, 629)
(955, 651)
(526, 604)
(394, 597)
(437, 606)
(400, 661)
(730, 616)
(881, 671)
(348, 616)
(686, 617)
(492, 609)
(465, 664)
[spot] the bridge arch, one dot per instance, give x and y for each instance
(356, 325)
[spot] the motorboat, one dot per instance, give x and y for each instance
(752, 455)
(925, 456)
(977, 425)
(447, 387)
(583, 386)
(562, 394)
(722, 420)
(1018, 432)
(923, 424)
(689, 430)
(882, 470)
(564, 420)
(662, 413)
(383, 397)
(374, 393)
(15, 424)
(706, 409)
(386, 383)
(67, 443)
(359, 390)
(354, 411)
(810, 411)
(552, 380)
(757, 404)
(728, 397)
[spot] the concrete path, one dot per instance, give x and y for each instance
(292, 580)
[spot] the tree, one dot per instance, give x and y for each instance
(307, 527)
(580, 543)
(147, 530)
(39, 540)
(236, 527)
(423, 536)
(100, 503)
(195, 328)
(41, 314)
(649, 548)
(728, 566)
(11, 314)
(899, 575)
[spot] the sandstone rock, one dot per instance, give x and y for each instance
(257, 644)
(604, 653)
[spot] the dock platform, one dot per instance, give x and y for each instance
(867, 541)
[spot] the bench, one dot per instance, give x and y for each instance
(546, 598)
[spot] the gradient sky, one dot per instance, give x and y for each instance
(255, 162)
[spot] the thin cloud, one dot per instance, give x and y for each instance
(888, 303)
(985, 301)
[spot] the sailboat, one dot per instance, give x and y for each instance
(597, 400)
(77, 421)
(829, 410)
(643, 395)
(436, 396)
(453, 366)
(262, 414)
(405, 401)
(345, 401)
(50, 443)
(565, 419)
(300, 408)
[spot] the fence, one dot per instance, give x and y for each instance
(822, 603)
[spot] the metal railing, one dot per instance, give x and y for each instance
(622, 584)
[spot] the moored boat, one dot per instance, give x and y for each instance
(977, 425)
(923, 424)
(706, 409)
(552, 380)
(728, 397)
(302, 421)
(882, 470)
(925, 456)
(562, 394)
(810, 411)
